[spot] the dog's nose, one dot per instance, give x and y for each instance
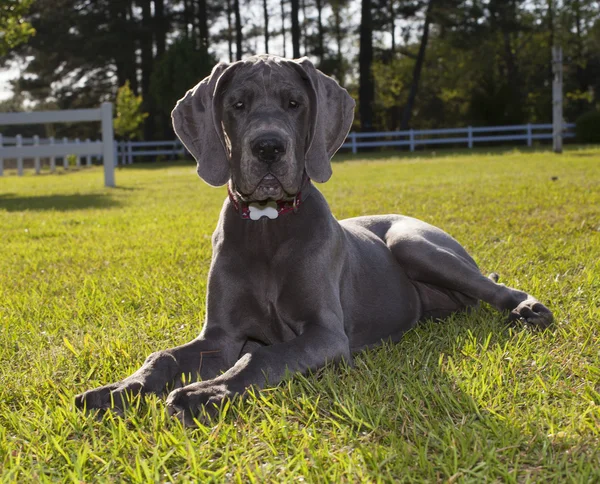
(268, 148)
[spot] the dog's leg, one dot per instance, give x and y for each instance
(202, 358)
(431, 256)
(313, 349)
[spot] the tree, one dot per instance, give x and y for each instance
(366, 92)
(14, 30)
(266, 25)
(414, 85)
(238, 30)
(295, 28)
(129, 118)
(179, 69)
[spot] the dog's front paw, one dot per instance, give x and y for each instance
(532, 312)
(197, 401)
(115, 397)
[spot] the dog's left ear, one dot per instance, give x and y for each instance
(332, 116)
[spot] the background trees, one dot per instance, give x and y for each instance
(409, 63)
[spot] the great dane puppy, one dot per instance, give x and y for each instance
(291, 288)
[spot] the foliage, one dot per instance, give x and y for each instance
(92, 280)
(14, 30)
(180, 69)
(486, 62)
(587, 128)
(130, 117)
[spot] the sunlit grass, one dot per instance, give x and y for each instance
(93, 279)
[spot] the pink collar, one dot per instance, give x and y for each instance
(271, 209)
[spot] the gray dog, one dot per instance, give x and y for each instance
(291, 288)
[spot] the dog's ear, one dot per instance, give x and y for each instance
(332, 115)
(194, 124)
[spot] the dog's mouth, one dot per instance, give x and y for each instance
(268, 188)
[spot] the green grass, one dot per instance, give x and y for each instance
(92, 280)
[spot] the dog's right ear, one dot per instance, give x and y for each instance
(193, 122)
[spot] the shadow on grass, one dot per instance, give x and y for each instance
(61, 203)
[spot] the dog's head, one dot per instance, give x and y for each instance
(262, 122)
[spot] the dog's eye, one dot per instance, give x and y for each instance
(294, 104)
(238, 105)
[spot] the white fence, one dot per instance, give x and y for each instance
(469, 136)
(38, 149)
(127, 150)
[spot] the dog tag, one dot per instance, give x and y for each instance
(258, 211)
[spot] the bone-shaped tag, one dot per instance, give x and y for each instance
(258, 211)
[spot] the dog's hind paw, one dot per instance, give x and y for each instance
(532, 312)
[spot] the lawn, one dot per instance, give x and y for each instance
(92, 280)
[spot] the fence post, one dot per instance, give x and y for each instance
(412, 139)
(65, 157)
(353, 142)
(20, 158)
(529, 135)
(108, 143)
(470, 132)
(36, 160)
(78, 161)
(1, 159)
(88, 158)
(52, 158)
(129, 153)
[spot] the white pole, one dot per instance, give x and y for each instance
(529, 135)
(1, 159)
(36, 161)
(52, 158)
(65, 157)
(129, 153)
(108, 143)
(88, 158)
(20, 158)
(557, 99)
(470, 136)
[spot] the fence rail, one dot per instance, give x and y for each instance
(125, 151)
(470, 136)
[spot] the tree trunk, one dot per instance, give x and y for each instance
(147, 59)
(283, 27)
(131, 47)
(366, 90)
(414, 86)
(160, 28)
(320, 35)
(295, 29)
(186, 18)
(338, 40)
(304, 26)
(238, 30)
(203, 35)
(229, 31)
(266, 16)
(393, 25)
